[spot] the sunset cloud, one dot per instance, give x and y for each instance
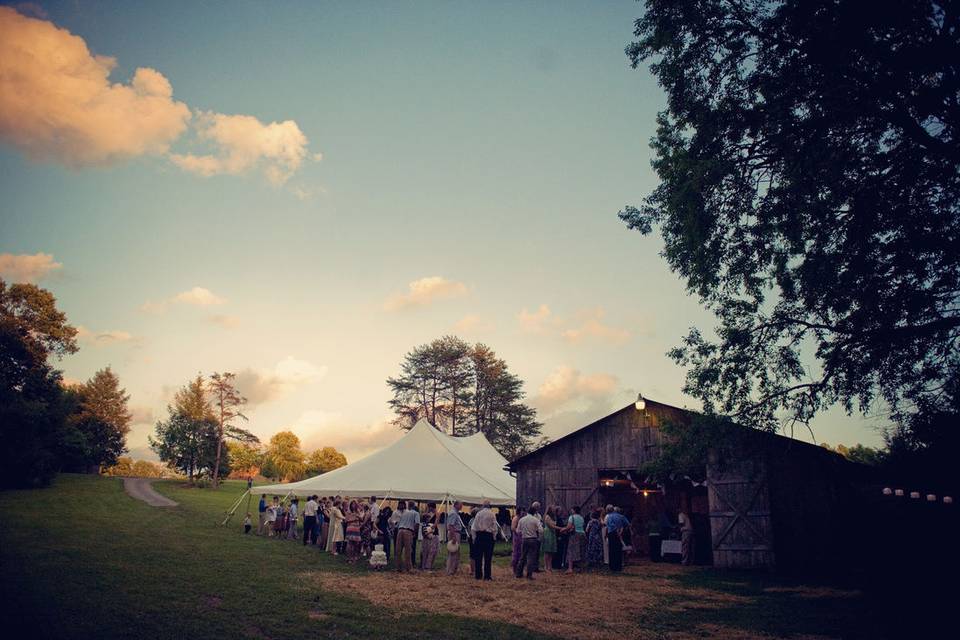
(225, 321)
(102, 338)
(566, 385)
(196, 297)
(592, 326)
(537, 321)
(261, 386)
(27, 268)
(586, 325)
(328, 429)
(424, 291)
(58, 104)
(241, 143)
(471, 323)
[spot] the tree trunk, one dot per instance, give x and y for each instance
(216, 465)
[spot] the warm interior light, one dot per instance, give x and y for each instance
(646, 493)
(640, 404)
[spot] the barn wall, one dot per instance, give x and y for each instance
(566, 472)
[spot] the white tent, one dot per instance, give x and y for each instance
(424, 464)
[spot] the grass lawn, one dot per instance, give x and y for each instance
(83, 560)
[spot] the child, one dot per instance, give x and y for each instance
(247, 524)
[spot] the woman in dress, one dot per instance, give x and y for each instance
(549, 544)
(383, 526)
(353, 519)
(335, 531)
(594, 541)
(563, 535)
(366, 529)
(517, 539)
(575, 527)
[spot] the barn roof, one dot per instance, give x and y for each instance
(780, 440)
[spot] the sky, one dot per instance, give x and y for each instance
(301, 193)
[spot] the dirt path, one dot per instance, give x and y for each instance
(141, 489)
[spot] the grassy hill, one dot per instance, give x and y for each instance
(83, 560)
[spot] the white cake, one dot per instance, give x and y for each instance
(378, 558)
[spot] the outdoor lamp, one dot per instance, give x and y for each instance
(640, 404)
(915, 495)
(931, 497)
(887, 491)
(947, 500)
(898, 492)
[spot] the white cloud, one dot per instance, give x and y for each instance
(424, 291)
(197, 297)
(26, 267)
(241, 143)
(57, 101)
(566, 386)
(102, 338)
(260, 386)
(326, 429)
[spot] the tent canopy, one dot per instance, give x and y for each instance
(424, 464)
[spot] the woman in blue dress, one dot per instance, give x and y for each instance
(594, 541)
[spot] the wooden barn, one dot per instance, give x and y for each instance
(774, 502)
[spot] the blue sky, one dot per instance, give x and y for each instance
(480, 149)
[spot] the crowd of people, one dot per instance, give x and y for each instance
(566, 539)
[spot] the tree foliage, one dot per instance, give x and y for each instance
(97, 429)
(808, 160)
(245, 459)
(462, 389)
(325, 459)
(33, 405)
(286, 456)
(226, 402)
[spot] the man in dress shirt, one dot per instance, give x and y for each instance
(374, 508)
(309, 521)
(484, 527)
(407, 526)
(616, 523)
(531, 528)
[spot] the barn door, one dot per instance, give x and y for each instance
(739, 498)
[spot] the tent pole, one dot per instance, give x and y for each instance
(234, 508)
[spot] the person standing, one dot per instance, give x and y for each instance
(516, 541)
(322, 528)
(309, 520)
(249, 482)
(686, 538)
(353, 521)
(550, 530)
(407, 527)
(431, 537)
(616, 523)
(335, 529)
(531, 530)
(262, 508)
(594, 541)
(292, 522)
(484, 526)
(383, 526)
(454, 526)
(575, 526)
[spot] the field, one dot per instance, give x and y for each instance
(83, 560)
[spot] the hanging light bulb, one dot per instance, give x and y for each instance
(640, 404)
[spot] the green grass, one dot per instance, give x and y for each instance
(82, 560)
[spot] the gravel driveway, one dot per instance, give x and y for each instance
(142, 489)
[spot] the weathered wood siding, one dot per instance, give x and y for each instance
(566, 472)
(740, 524)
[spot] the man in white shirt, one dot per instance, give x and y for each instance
(374, 509)
(310, 520)
(484, 528)
(686, 538)
(531, 529)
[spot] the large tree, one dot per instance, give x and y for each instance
(810, 174)
(226, 402)
(33, 405)
(462, 389)
(325, 459)
(187, 439)
(286, 456)
(99, 426)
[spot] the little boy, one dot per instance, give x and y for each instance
(247, 524)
